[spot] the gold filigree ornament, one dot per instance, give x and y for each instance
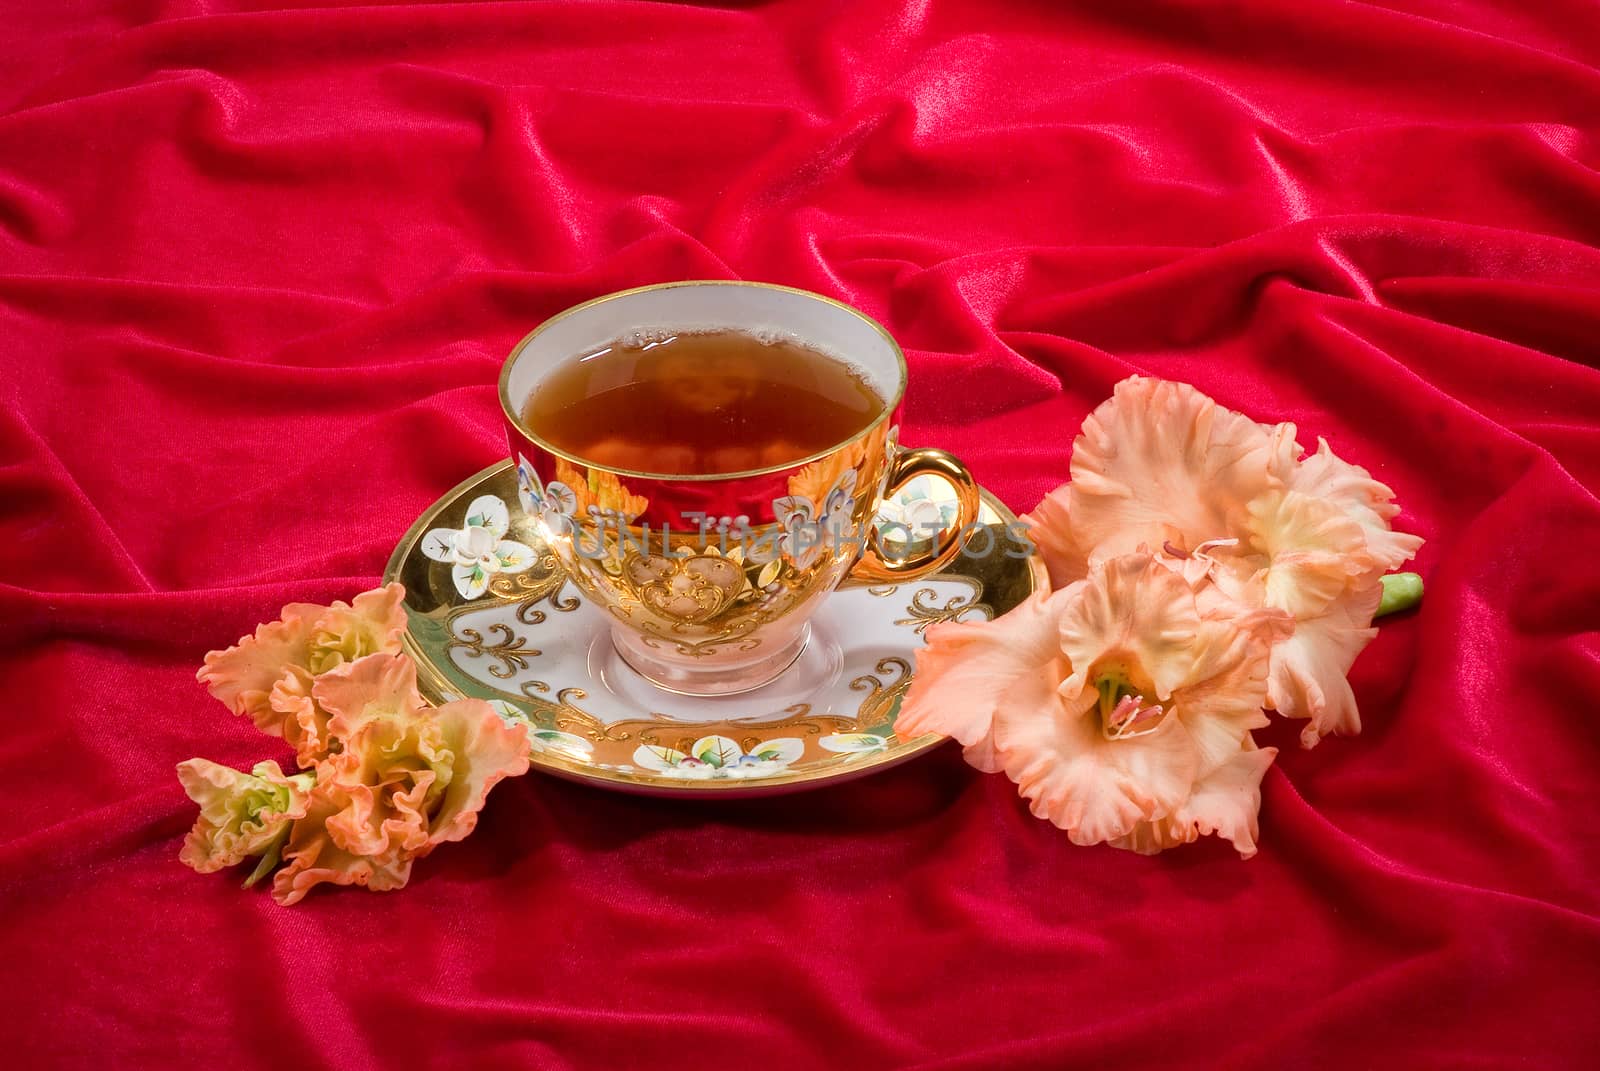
(925, 611)
(692, 589)
(510, 650)
(528, 642)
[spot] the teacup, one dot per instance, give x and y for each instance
(711, 580)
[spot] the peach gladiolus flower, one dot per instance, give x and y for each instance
(241, 814)
(1162, 465)
(1309, 670)
(406, 778)
(1122, 710)
(270, 674)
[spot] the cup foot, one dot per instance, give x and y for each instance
(709, 680)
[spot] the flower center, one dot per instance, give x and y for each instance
(475, 542)
(1123, 711)
(331, 648)
(1202, 552)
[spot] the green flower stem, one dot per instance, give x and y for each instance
(1401, 591)
(270, 857)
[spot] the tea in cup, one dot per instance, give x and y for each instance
(707, 460)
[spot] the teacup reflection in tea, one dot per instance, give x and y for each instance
(769, 415)
(703, 401)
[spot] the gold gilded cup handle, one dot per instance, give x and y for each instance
(877, 565)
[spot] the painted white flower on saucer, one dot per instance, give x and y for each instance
(556, 742)
(853, 745)
(553, 741)
(719, 758)
(478, 549)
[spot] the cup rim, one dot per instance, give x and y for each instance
(514, 420)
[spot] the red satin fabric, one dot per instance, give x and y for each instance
(258, 270)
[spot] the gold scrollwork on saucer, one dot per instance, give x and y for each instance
(510, 650)
(564, 714)
(923, 613)
(542, 584)
(881, 694)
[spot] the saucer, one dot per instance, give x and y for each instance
(532, 646)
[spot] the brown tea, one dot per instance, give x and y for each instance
(701, 402)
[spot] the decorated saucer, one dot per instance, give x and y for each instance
(530, 644)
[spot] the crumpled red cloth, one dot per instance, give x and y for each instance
(259, 268)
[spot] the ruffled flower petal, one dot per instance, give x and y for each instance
(1130, 635)
(384, 803)
(1233, 586)
(1313, 551)
(405, 778)
(1369, 503)
(383, 687)
(1160, 462)
(303, 723)
(486, 750)
(1050, 528)
(1137, 613)
(241, 814)
(1093, 788)
(310, 638)
(1221, 698)
(965, 667)
(243, 676)
(1308, 669)
(1283, 450)
(1225, 803)
(373, 622)
(1194, 569)
(314, 859)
